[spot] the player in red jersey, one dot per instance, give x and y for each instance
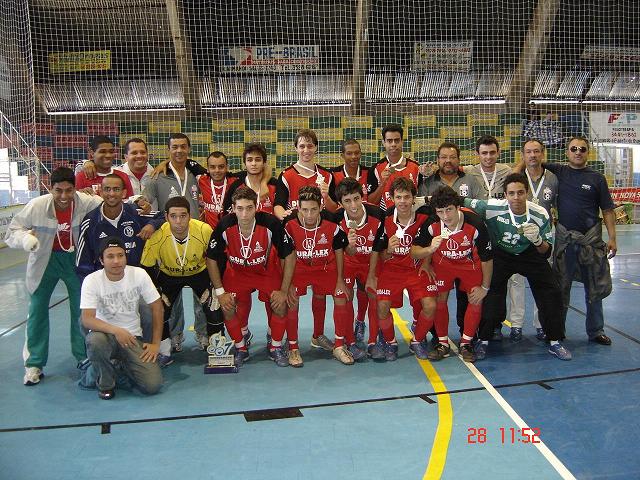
(456, 246)
(213, 187)
(319, 243)
(306, 172)
(398, 270)
(393, 166)
(253, 244)
(101, 153)
(363, 223)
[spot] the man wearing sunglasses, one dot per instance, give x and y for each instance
(582, 194)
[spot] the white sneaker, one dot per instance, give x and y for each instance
(343, 355)
(32, 376)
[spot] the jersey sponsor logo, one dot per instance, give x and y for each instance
(439, 283)
(463, 190)
(254, 262)
(452, 244)
(432, 287)
(306, 254)
(402, 251)
(212, 207)
(364, 250)
(308, 244)
(102, 235)
(383, 292)
(456, 254)
(585, 186)
(183, 271)
(503, 220)
(129, 245)
(246, 251)
(361, 241)
(128, 231)
(406, 240)
(64, 227)
(323, 240)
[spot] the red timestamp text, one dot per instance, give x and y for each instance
(505, 435)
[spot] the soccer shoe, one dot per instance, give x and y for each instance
(497, 335)
(240, 357)
(164, 360)
(32, 376)
(247, 338)
(376, 351)
(176, 342)
(559, 351)
(343, 355)
(356, 352)
(441, 351)
(391, 352)
(322, 342)
(481, 351)
(295, 359)
(516, 334)
(467, 353)
(107, 394)
(540, 335)
(419, 349)
(277, 355)
(359, 330)
(202, 341)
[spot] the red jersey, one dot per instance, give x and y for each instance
(63, 241)
(259, 252)
(340, 173)
(83, 182)
(290, 182)
(264, 204)
(410, 171)
(465, 248)
(315, 247)
(212, 195)
(372, 225)
(401, 259)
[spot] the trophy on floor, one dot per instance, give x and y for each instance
(220, 356)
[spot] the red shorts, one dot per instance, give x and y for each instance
(391, 284)
(241, 284)
(355, 272)
(323, 282)
(447, 274)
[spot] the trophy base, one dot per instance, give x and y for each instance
(208, 369)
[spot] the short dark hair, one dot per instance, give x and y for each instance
(244, 193)
(445, 196)
(515, 178)
(178, 136)
(580, 138)
(177, 202)
(393, 127)
(133, 140)
(217, 154)
(113, 175)
(403, 183)
(449, 145)
(109, 242)
(529, 140)
(309, 193)
(346, 143)
(98, 140)
(348, 186)
(62, 174)
(487, 140)
(306, 133)
(254, 147)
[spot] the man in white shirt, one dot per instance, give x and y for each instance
(109, 302)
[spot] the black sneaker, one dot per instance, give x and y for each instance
(441, 351)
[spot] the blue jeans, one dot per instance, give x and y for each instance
(595, 315)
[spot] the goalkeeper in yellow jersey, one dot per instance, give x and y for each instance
(174, 257)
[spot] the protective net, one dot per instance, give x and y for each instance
(232, 72)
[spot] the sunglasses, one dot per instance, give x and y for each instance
(575, 149)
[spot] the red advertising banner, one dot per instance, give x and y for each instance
(625, 194)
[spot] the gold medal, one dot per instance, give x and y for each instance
(352, 224)
(521, 230)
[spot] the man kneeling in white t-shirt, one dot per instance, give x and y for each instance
(109, 302)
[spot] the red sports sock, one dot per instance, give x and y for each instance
(373, 321)
(442, 319)
(386, 325)
(278, 326)
(234, 328)
(292, 325)
(269, 311)
(423, 325)
(340, 315)
(319, 309)
(243, 308)
(472, 319)
(363, 303)
(349, 334)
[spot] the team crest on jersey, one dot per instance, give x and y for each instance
(323, 239)
(128, 231)
(464, 190)
(361, 241)
(308, 243)
(465, 242)
(546, 193)
(258, 248)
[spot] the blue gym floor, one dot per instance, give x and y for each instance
(402, 420)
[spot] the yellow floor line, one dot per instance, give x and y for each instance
(438, 456)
